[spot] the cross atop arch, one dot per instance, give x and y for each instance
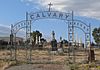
(50, 4)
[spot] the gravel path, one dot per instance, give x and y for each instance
(37, 67)
(23, 67)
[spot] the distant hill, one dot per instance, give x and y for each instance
(8, 39)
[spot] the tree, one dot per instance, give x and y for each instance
(96, 35)
(43, 40)
(36, 33)
(65, 41)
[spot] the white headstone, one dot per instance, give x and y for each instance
(80, 42)
(39, 39)
(77, 40)
(36, 39)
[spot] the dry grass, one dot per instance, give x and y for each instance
(44, 56)
(6, 64)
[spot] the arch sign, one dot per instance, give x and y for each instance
(50, 14)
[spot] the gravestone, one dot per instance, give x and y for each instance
(60, 49)
(53, 42)
(40, 44)
(91, 54)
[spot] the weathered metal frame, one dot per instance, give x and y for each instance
(71, 25)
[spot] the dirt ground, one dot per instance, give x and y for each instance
(37, 67)
(43, 60)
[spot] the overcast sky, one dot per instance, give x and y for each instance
(89, 8)
(13, 11)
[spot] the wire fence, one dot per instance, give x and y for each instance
(49, 60)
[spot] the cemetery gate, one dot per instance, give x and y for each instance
(33, 16)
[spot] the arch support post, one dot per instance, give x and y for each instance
(28, 39)
(71, 51)
(13, 48)
(11, 42)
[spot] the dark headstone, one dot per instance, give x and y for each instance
(91, 55)
(40, 46)
(61, 44)
(54, 45)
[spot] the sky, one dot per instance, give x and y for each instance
(13, 11)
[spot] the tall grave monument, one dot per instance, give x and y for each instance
(53, 42)
(60, 49)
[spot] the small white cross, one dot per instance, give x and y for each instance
(50, 6)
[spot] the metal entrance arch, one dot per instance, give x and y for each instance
(32, 16)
